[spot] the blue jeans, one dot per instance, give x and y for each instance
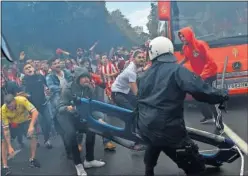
(45, 120)
(54, 103)
(51, 115)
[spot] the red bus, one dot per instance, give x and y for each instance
(223, 25)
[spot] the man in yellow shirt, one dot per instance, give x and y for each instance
(19, 116)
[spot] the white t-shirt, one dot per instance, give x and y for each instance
(62, 80)
(129, 75)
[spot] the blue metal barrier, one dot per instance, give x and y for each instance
(226, 151)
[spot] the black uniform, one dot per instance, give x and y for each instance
(162, 90)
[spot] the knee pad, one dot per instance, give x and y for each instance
(189, 159)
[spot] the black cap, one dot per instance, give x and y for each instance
(8, 98)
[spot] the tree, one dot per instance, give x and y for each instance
(39, 28)
(153, 21)
(124, 25)
(144, 36)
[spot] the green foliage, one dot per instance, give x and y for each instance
(39, 28)
(124, 25)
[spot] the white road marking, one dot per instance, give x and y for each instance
(236, 139)
(233, 136)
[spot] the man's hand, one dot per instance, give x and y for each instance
(22, 55)
(183, 61)
(146, 67)
(101, 121)
(11, 151)
(47, 91)
(70, 108)
(107, 75)
(66, 53)
(30, 131)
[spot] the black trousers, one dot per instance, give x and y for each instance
(68, 127)
(187, 157)
(207, 110)
(127, 101)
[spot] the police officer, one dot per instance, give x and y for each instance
(162, 89)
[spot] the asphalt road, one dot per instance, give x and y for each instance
(126, 162)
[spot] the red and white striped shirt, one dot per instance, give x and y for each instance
(42, 72)
(108, 69)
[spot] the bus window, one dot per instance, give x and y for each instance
(163, 28)
(210, 20)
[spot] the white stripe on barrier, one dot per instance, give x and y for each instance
(243, 146)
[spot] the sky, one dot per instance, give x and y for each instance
(135, 12)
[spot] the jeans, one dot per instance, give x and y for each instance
(207, 110)
(54, 103)
(45, 120)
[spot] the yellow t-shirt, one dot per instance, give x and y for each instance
(20, 114)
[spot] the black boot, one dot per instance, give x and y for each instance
(149, 171)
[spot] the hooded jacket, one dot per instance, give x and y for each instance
(53, 82)
(74, 90)
(162, 90)
(197, 52)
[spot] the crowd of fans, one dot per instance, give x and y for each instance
(37, 84)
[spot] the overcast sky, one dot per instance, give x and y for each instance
(135, 12)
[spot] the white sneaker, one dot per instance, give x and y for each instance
(80, 170)
(94, 163)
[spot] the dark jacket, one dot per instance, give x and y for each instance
(162, 90)
(74, 90)
(34, 86)
(10, 87)
(53, 82)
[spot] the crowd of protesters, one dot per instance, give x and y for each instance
(37, 84)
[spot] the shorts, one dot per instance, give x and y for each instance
(22, 130)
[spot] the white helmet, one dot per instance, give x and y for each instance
(160, 45)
